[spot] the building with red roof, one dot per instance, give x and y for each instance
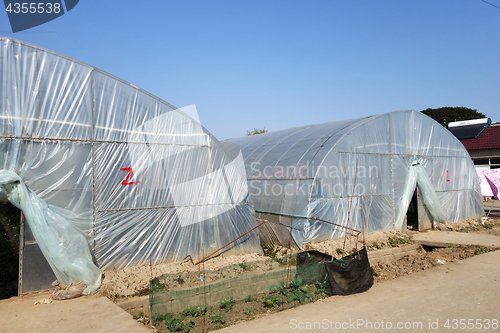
(485, 148)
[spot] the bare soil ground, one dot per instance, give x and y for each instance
(133, 281)
(425, 260)
(257, 307)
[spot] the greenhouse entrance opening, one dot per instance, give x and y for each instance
(10, 217)
(412, 213)
(35, 272)
(424, 209)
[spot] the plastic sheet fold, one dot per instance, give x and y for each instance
(64, 247)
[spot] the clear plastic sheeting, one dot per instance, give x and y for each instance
(64, 247)
(336, 171)
(417, 175)
(145, 182)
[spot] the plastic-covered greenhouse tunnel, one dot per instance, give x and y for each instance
(108, 175)
(364, 172)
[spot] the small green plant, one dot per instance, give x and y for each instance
(187, 326)
(339, 251)
(271, 302)
(218, 318)
(354, 250)
(298, 292)
(141, 292)
(299, 295)
(180, 280)
(321, 286)
(374, 272)
(158, 285)
(175, 323)
(394, 242)
(157, 318)
(480, 250)
(487, 226)
(270, 249)
(375, 245)
(449, 246)
(296, 282)
(282, 261)
(382, 244)
(244, 267)
(249, 311)
(227, 304)
(248, 299)
(281, 289)
(194, 311)
(138, 316)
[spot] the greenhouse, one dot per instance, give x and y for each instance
(108, 175)
(362, 173)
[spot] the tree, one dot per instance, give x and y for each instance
(449, 114)
(256, 131)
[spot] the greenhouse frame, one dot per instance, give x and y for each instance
(361, 173)
(108, 175)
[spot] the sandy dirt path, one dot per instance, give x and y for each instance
(84, 314)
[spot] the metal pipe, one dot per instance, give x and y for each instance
(234, 240)
(338, 225)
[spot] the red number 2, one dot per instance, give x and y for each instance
(128, 176)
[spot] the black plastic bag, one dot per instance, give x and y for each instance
(350, 274)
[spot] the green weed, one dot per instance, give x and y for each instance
(480, 250)
(271, 302)
(281, 289)
(218, 317)
(227, 304)
(321, 286)
(138, 316)
(270, 249)
(249, 311)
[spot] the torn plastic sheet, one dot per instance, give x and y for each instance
(65, 248)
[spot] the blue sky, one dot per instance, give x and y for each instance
(279, 64)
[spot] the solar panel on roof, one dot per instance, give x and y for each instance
(468, 131)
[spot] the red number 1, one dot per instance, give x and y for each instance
(128, 176)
